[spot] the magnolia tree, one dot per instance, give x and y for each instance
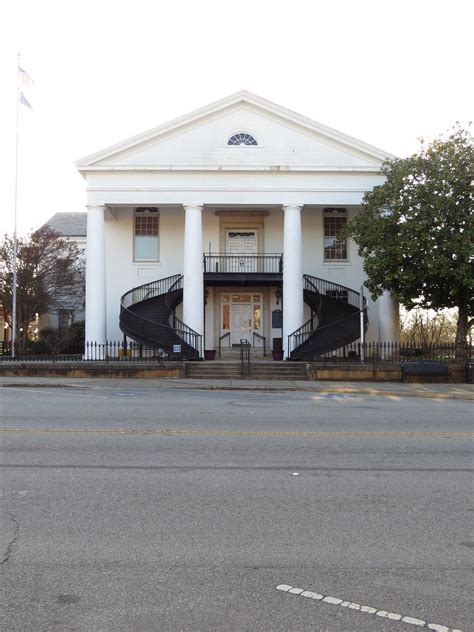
(50, 276)
(415, 232)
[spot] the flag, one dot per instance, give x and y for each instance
(25, 82)
(25, 79)
(25, 101)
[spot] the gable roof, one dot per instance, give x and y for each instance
(69, 224)
(239, 98)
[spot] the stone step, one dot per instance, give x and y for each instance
(258, 371)
(235, 354)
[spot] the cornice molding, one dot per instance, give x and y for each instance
(231, 168)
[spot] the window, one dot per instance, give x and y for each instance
(242, 138)
(335, 249)
(146, 225)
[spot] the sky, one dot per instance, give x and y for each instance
(386, 72)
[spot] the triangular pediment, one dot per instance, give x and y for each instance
(199, 141)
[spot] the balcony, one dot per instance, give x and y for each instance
(239, 269)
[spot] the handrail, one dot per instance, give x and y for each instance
(244, 356)
(268, 263)
(185, 332)
(150, 290)
(147, 290)
(322, 286)
(227, 334)
(308, 327)
(260, 337)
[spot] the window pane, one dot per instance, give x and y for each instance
(146, 231)
(256, 317)
(334, 222)
(146, 248)
(226, 317)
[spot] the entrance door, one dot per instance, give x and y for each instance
(244, 243)
(241, 322)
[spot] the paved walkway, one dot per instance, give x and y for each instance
(392, 389)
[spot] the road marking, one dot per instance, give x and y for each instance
(42, 392)
(393, 616)
(241, 433)
(124, 393)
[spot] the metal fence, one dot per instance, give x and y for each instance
(110, 351)
(120, 351)
(395, 352)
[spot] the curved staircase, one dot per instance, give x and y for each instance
(334, 321)
(147, 315)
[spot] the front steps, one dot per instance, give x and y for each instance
(232, 354)
(259, 370)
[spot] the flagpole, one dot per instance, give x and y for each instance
(15, 240)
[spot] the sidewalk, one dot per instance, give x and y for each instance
(392, 389)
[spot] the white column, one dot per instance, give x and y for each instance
(193, 284)
(293, 308)
(388, 318)
(96, 312)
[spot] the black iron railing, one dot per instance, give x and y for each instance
(332, 290)
(393, 352)
(243, 264)
(114, 351)
(148, 290)
(244, 356)
(188, 335)
(298, 337)
(164, 334)
(221, 338)
(257, 336)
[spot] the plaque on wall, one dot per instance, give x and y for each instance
(277, 319)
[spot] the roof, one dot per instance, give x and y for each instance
(69, 224)
(239, 98)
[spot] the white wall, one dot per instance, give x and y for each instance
(269, 186)
(123, 273)
(279, 143)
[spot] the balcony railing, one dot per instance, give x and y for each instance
(243, 264)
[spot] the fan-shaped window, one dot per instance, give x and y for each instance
(242, 138)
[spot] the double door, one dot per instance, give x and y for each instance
(242, 246)
(241, 316)
(241, 325)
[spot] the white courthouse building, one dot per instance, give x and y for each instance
(224, 223)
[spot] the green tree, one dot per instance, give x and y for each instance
(415, 232)
(50, 276)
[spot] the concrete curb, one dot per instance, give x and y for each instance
(266, 388)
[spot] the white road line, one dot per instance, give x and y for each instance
(393, 616)
(42, 392)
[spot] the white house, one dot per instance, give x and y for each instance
(72, 227)
(226, 222)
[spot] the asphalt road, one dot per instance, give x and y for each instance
(184, 510)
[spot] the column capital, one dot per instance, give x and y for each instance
(98, 205)
(296, 207)
(198, 205)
